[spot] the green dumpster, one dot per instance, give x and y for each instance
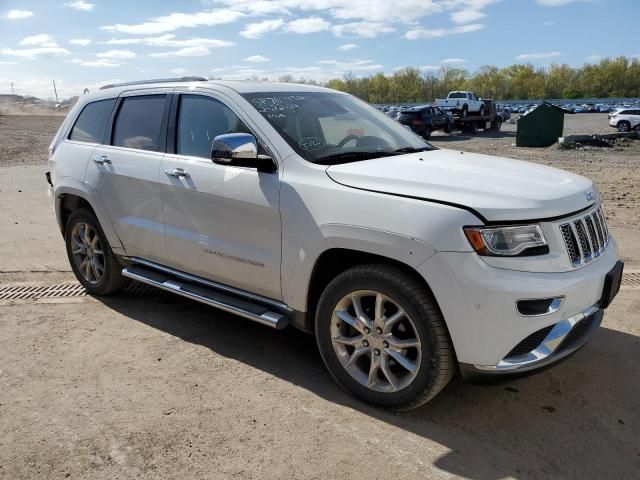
(541, 127)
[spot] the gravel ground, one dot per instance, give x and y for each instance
(154, 386)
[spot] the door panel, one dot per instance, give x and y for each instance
(221, 222)
(129, 190)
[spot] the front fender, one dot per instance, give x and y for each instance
(398, 247)
(73, 186)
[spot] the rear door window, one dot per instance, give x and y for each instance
(92, 121)
(139, 123)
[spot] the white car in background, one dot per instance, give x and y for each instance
(625, 119)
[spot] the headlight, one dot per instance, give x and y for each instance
(507, 241)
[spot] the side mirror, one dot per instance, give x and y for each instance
(241, 150)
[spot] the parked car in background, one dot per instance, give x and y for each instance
(462, 103)
(424, 119)
(625, 120)
(504, 113)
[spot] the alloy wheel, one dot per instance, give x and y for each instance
(87, 252)
(376, 341)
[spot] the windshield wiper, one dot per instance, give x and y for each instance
(345, 157)
(414, 149)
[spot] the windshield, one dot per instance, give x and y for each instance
(333, 127)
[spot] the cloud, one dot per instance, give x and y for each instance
(80, 41)
(8, 63)
(32, 53)
(169, 40)
(467, 16)
(179, 71)
(117, 54)
(257, 30)
(538, 55)
(594, 58)
(174, 21)
(307, 25)
(430, 68)
(257, 59)
(347, 46)
(361, 29)
(183, 52)
(453, 60)
(102, 62)
(353, 65)
(556, 3)
(80, 5)
(18, 14)
(424, 33)
(42, 39)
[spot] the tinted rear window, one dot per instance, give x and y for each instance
(92, 122)
(457, 95)
(139, 123)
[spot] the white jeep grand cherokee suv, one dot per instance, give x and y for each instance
(294, 204)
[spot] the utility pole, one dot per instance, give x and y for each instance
(56, 91)
(13, 91)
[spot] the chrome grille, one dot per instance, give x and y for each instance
(585, 237)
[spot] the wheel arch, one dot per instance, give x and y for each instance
(332, 262)
(69, 198)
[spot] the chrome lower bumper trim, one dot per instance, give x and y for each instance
(544, 353)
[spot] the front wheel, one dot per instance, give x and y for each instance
(383, 338)
(624, 126)
(94, 264)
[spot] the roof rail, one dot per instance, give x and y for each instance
(156, 80)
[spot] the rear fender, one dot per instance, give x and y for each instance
(72, 186)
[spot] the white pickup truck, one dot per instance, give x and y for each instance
(298, 205)
(462, 103)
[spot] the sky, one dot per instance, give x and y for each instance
(87, 43)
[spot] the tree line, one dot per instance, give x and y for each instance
(610, 78)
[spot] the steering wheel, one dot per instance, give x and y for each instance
(346, 140)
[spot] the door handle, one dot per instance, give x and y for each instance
(101, 160)
(177, 172)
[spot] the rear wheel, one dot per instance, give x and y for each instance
(427, 132)
(481, 113)
(383, 338)
(465, 111)
(94, 264)
(624, 126)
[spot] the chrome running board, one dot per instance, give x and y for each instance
(206, 293)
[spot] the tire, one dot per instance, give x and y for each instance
(481, 112)
(432, 357)
(427, 132)
(465, 111)
(447, 128)
(83, 234)
(624, 126)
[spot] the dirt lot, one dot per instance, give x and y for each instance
(152, 386)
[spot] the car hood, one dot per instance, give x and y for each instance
(499, 189)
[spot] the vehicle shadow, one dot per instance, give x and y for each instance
(577, 420)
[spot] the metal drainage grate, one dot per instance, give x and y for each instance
(68, 289)
(631, 280)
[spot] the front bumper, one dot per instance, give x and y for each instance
(479, 304)
(565, 338)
